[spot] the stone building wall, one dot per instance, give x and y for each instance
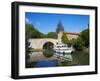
(69, 35)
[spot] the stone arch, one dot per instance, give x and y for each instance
(48, 45)
(38, 43)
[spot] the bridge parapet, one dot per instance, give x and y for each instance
(38, 43)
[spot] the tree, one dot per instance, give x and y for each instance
(31, 32)
(43, 35)
(82, 40)
(84, 35)
(78, 43)
(64, 38)
(51, 35)
(28, 31)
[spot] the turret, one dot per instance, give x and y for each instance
(59, 30)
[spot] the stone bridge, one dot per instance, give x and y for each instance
(38, 43)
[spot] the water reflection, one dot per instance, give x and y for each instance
(44, 59)
(53, 59)
(63, 56)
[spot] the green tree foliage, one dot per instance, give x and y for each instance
(51, 35)
(78, 43)
(82, 40)
(43, 35)
(64, 38)
(84, 35)
(31, 32)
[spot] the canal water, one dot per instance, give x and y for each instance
(77, 58)
(46, 63)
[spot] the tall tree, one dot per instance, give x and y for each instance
(64, 38)
(32, 32)
(85, 36)
(78, 43)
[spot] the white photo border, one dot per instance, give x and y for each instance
(52, 70)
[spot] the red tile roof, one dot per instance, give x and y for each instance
(72, 33)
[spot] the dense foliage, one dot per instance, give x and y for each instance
(64, 38)
(84, 35)
(80, 43)
(32, 32)
(51, 35)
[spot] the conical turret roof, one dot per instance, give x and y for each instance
(60, 27)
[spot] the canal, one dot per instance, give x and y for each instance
(50, 59)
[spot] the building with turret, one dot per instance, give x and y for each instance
(60, 30)
(39, 43)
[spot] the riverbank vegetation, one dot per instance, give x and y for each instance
(80, 43)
